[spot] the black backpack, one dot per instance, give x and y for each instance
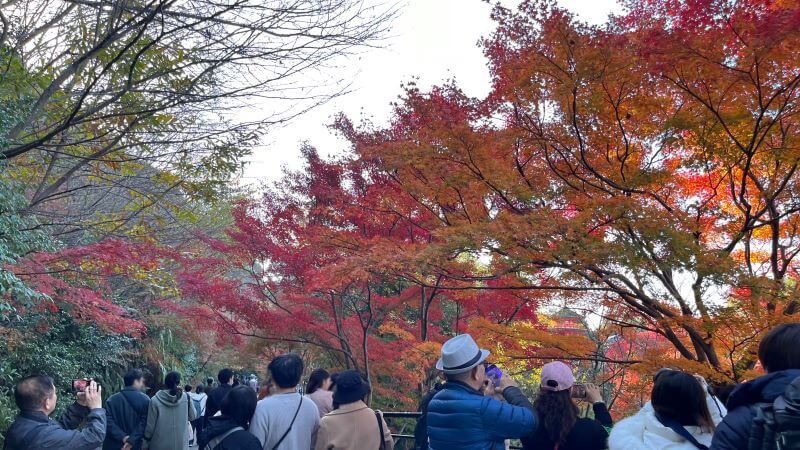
(776, 425)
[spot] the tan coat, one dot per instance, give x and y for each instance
(323, 399)
(352, 427)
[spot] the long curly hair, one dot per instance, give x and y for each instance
(557, 412)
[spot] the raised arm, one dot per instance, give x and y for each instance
(89, 438)
(601, 413)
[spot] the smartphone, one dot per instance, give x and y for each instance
(81, 384)
(578, 391)
(494, 373)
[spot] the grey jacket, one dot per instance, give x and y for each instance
(33, 430)
(168, 421)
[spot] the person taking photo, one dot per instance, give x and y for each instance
(33, 429)
(460, 417)
(560, 425)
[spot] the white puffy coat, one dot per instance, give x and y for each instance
(644, 431)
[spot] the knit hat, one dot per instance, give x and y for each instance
(557, 376)
(350, 387)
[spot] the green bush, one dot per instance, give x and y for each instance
(65, 351)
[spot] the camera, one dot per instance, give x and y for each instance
(81, 384)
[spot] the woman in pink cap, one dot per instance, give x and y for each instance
(559, 427)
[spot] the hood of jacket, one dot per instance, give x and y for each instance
(167, 399)
(196, 396)
(763, 389)
(643, 430)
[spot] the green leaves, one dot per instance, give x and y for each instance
(19, 236)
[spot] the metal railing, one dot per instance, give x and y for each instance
(411, 415)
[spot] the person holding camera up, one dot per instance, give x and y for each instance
(559, 425)
(461, 417)
(34, 430)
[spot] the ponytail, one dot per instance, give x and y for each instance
(173, 383)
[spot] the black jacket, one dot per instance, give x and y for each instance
(127, 416)
(214, 402)
(587, 434)
(421, 430)
(238, 440)
(734, 430)
(33, 430)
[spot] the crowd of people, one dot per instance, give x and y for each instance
(476, 407)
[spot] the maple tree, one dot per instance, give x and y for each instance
(317, 262)
(643, 170)
(641, 173)
(648, 165)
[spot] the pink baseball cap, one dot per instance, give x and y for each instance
(557, 376)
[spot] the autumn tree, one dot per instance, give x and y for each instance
(320, 263)
(647, 165)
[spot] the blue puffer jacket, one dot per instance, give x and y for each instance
(461, 418)
(734, 431)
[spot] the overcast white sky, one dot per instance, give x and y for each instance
(433, 40)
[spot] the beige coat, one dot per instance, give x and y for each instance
(323, 399)
(352, 427)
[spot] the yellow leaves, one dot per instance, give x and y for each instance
(393, 328)
(524, 340)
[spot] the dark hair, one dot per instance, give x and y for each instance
(188, 388)
(723, 391)
(333, 380)
(240, 405)
(132, 376)
(286, 370)
(316, 379)
(779, 349)
(31, 392)
(209, 381)
(224, 376)
(557, 412)
(173, 382)
(679, 396)
(200, 389)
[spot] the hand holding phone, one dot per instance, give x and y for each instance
(578, 391)
(593, 394)
(81, 384)
(93, 395)
(89, 393)
(494, 374)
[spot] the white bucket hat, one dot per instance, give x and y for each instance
(460, 354)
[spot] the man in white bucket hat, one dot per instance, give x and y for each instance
(461, 417)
